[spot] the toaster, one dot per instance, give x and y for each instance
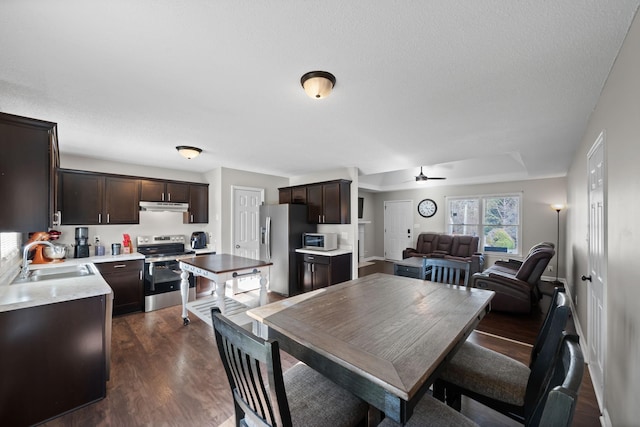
(198, 240)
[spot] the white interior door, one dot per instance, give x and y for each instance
(246, 218)
(596, 322)
(398, 228)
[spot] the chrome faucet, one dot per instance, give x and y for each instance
(25, 255)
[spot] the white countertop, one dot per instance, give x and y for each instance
(33, 294)
(89, 260)
(324, 253)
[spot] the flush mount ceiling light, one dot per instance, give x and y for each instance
(188, 152)
(318, 84)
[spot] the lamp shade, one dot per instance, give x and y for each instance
(188, 152)
(557, 207)
(318, 84)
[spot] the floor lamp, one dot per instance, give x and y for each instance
(557, 208)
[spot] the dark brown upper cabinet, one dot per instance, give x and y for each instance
(163, 191)
(198, 204)
(88, 198)
(329, 202)
(27, 173)
(294, 195)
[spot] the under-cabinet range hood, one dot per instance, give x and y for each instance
(164, 207)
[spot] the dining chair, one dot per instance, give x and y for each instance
(264, 396)
(448, 271)
(554, 407)
(561, 400)
(500, 382)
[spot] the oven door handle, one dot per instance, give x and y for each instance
(152, 283)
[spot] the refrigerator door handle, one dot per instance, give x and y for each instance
(268, 237)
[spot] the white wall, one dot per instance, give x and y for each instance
(618, 113)
(539, 221)
(68, 161)
(370, 224)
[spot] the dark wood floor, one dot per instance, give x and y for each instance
(166, 374)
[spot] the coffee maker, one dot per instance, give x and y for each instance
(81, 249)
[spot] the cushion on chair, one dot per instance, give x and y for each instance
(430, 412)
(533, 266)
(464, 246)
(445, 242)
(427, 243)
(505, 381)
(314, 400)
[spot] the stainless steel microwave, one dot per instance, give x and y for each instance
(320, 241)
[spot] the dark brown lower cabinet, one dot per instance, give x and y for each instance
(320, 271)
(53, 359)
(126, 281)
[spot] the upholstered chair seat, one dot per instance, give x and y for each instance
(314, 400)
(506, 380)
(430, 412)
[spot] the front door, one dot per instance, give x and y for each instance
(597, 265)
(246, 219)
(398, 226)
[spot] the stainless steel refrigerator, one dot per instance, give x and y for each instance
(281, 228)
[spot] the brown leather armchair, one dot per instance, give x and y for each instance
(512, 266)
(516, 292)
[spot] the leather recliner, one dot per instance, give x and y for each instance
(516, 291)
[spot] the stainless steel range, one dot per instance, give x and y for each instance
(162, 270)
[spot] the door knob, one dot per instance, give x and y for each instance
(585, 278)
(237, 246)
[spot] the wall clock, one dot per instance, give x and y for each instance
(427, 208)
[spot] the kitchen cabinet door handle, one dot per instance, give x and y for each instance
(120, 266)
(192, 218)
(163, 197)
(107, 218)
(99, 218)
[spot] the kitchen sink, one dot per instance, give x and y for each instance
(62, 272)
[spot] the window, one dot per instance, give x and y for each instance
(494, 218)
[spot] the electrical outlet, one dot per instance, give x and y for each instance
(550, 268)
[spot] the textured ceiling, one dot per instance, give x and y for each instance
(500, 88)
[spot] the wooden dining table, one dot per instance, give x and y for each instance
(383, 337)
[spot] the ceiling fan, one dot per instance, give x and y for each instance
(422, 177)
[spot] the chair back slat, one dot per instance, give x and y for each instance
(449, 271)
(254, 372)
